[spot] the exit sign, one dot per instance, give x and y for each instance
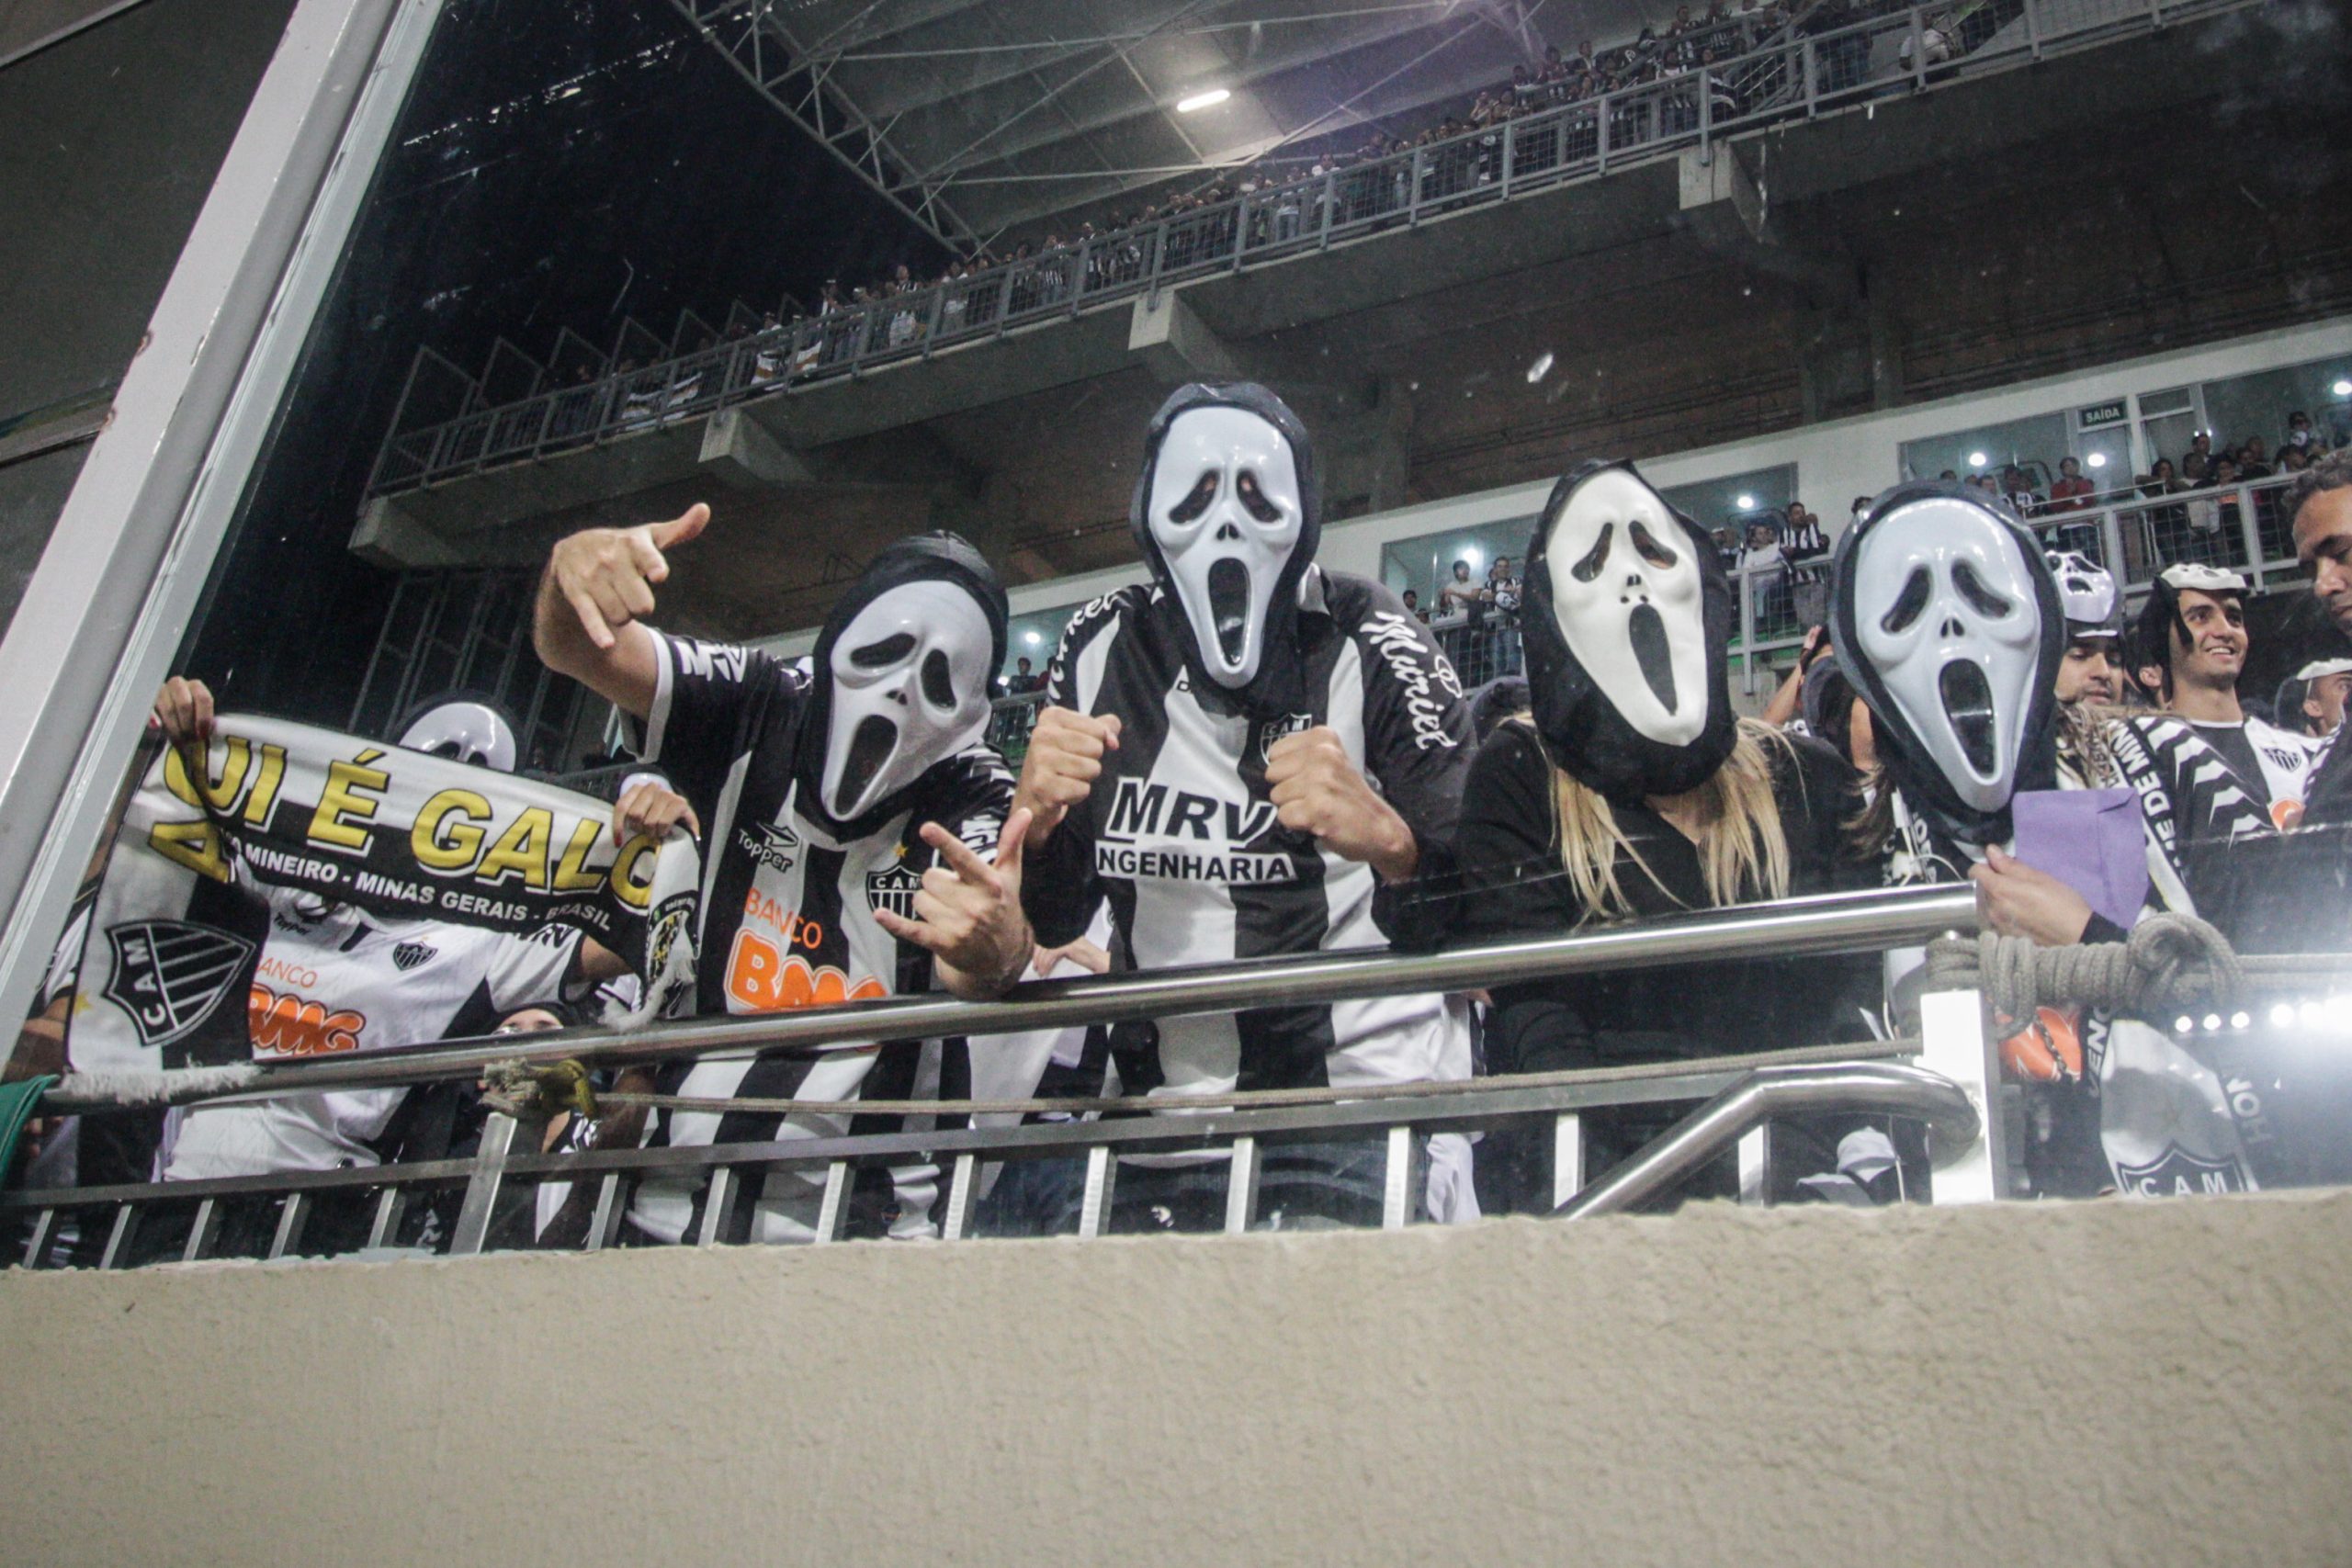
(2099, 415)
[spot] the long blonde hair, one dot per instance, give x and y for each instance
(1743, 852)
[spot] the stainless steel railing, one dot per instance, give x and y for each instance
(1794, 79)
(1954, 1081)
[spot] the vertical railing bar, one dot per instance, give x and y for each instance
(840, 1178)
(125, 1226)
(1095, 1204)
(963, 1179)
(1756, 1165)
(201, 1231)
(1241, 1185)
(716, 1206)
(293, 1214)
(1397, 1179)
(391, 1207)
(36, 1244)
(604, 1223)
(1567, 1156)
(481, 1188)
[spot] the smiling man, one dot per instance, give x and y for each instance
(2191, 643)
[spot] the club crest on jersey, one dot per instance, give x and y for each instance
(772, 844)
(894, 889)
(2177, 1173)
(170, 976)
(409, 954)
(1273, 729)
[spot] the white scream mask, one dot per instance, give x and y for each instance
(1225, 512)
(1626, 591)
(1944, 609)
(910, 686)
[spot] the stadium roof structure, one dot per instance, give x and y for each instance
(979, 118)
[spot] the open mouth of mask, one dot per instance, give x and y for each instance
(1968, 704)
(1646, 628)
(1228, 585)
(870, 746)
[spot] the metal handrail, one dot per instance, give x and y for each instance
(1794, 928)
(1861, 1089)
(1581, 138)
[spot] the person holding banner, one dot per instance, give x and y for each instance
(228, 871)
(859, 841)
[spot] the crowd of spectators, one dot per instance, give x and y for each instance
(1696, 40)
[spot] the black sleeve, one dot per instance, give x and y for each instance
(1417, 744)
(707, 699)
(1059, 891)
(1513, 884)
(1817, 817)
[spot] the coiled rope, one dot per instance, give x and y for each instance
(2169, 965)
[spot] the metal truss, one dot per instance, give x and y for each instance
(798, 80)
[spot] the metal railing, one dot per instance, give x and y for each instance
(1957, 1082)
(1795, 79)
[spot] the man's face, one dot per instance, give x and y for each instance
(2323, 703)
(2087, 674)
(2209, 645)
(2323, 546)
(1502, 566)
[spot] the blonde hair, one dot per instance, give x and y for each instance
(1743, 853)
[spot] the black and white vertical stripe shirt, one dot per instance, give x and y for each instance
(1182, 839)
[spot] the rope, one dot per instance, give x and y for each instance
(131, 1090)
(2170, 964)
(513, 1075)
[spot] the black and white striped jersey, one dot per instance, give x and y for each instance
(1182, 839)
(788, 895)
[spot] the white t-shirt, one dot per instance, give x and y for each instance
(333, 978)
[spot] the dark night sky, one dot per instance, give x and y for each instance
(511, 206)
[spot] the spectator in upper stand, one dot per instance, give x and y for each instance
(2163, 478)
(2312, 698)
(1948, 476)
(2300, 434)
(2200, 448)
(1459, 596)
(2019, 491)
(1501, 596)
(1025, 680)
(1413, 606)
(1862, 507)
(2072, 492)
(2253, 459)
(2293, 460)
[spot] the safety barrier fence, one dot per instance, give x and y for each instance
(1950, 1082)
(1912, 49)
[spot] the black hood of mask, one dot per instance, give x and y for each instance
(948, 558)
(1923, 783)
(1580, 726)
(1279, 688)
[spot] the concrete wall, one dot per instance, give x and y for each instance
(2157, 1384)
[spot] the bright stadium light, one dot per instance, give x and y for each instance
(2098, 459)
(1032, 639)
(2343, 389)
(1475, 556)
(1976, 460)
(1209, 99)
(1748, 503)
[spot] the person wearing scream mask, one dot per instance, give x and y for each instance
(858, 843)
(2192, 646)
(1633, 789)
(1956, 628)
(1250, 755)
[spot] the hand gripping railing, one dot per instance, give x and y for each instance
(1953, 1045)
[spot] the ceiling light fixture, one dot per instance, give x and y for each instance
(1209, 99)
